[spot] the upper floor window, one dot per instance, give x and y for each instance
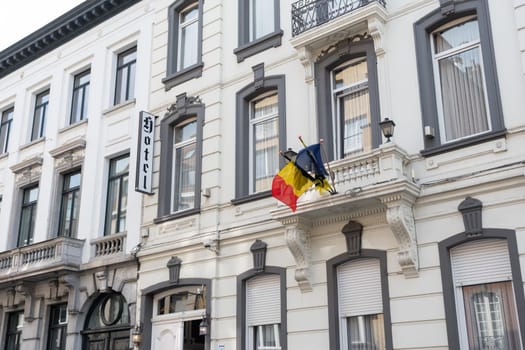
(348, 99)
(259, 27)
(260, 134)
(27, 216)
(13, 336)
(264, 141)
(181, 159)
(79, 103)
(125, 77)
(57, 332)
(5, 129)
(455, 66)
(184, 42)
(69, 205)
(117, 199)
(39, 115)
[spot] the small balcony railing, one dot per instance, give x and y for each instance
(109, 245)
(308, 14)
(54, 253)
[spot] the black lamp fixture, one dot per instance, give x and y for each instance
(203, 326)
(387, 127)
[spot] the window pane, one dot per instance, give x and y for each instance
(266, 153)
(456, 36)
(5, 128)
(15, 323)
(366, 332)
(185, 132)
(121, 89)
(188, 15)
(80, 97)
(189, 45)
(351, 74)
(463, 94)
(185, 161)
(117, 195)
(57, 327)
(267, 337)
(131, 82)
(491, 316)
(125, 76)
(262, 19)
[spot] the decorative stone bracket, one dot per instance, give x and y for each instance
(298, 240)
(400, 217)
(26, 289)
(72, 282)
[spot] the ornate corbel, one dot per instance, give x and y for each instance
(400, 217)
(26, 290)
(376, 31)
(306, 58)
(298, 240)
(72, 282)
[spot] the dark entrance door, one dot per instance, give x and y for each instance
(114, 340)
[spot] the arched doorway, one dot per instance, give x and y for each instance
(107, 324)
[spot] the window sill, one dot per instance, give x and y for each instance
(4, 155)
(182, 76)
(176, 215)
(119, 106)
(463, 143)
(251, 197)
(73, 126)
(32, 143)
(258, 45)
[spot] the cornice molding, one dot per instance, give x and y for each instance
(58, 32)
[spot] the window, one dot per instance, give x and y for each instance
(456, 66)
(264, 141)
(57, 327)
(5, 129)
(125, 79)
(483, 294)
(348, 99)
(184, 42)
(70, 203)
(27, 216)
(261, 124)
(15, 323)
(39, 116)
(181, 159)
(117, 199)
(263, 301)
(259, 27)
(79, 104)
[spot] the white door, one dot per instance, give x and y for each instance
(167, 335)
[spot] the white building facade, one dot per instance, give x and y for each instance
(420, 248)
(70, 97)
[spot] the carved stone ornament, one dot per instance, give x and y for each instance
(72, 283)
(400, 217)
(182, 102)
(447, 7)
(258, 249)
(26, 289)
(28, 171)
(69, 155)
(353, 232)
(173, 266)
(298, 240)
(470, 208)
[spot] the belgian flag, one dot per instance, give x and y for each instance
(290, 183)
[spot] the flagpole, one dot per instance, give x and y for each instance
(312, 157)
(304, 172)
(332, 176)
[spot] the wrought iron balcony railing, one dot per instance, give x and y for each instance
(308, 14)
(60, 252)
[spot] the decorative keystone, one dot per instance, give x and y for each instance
(470, 208)
(258, 250)
(174, 269)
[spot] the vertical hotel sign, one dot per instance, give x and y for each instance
(144, 178)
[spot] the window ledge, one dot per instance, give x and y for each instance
(4, 155)
(258, 45)
(463, 143)
(73, 126)
(182, 76)
(122, 105)
(32, 143)
(251, 197)
(176, 215)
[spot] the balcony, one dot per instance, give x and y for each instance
(58, 254)
(108, 250)
(372, 188)
(308, 14)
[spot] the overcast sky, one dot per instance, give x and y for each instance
(19, 18)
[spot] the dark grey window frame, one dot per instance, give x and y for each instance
(34, 210)
(120, 67)
(345, 51)
(422, 31)
(73, 230)
(249, 48)
(448, 286)
(4, 144)
(148, 294)
(333, 301)
(175, 77)
(119, 178)
(241, 303)
(54, 314)
(82, 88)
(166, 160)
(42, 121)
(242, 160)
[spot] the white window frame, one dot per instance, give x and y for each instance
(252, 122)
(437, 76)
(174, 172)
(340, 93)
(182, 27)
